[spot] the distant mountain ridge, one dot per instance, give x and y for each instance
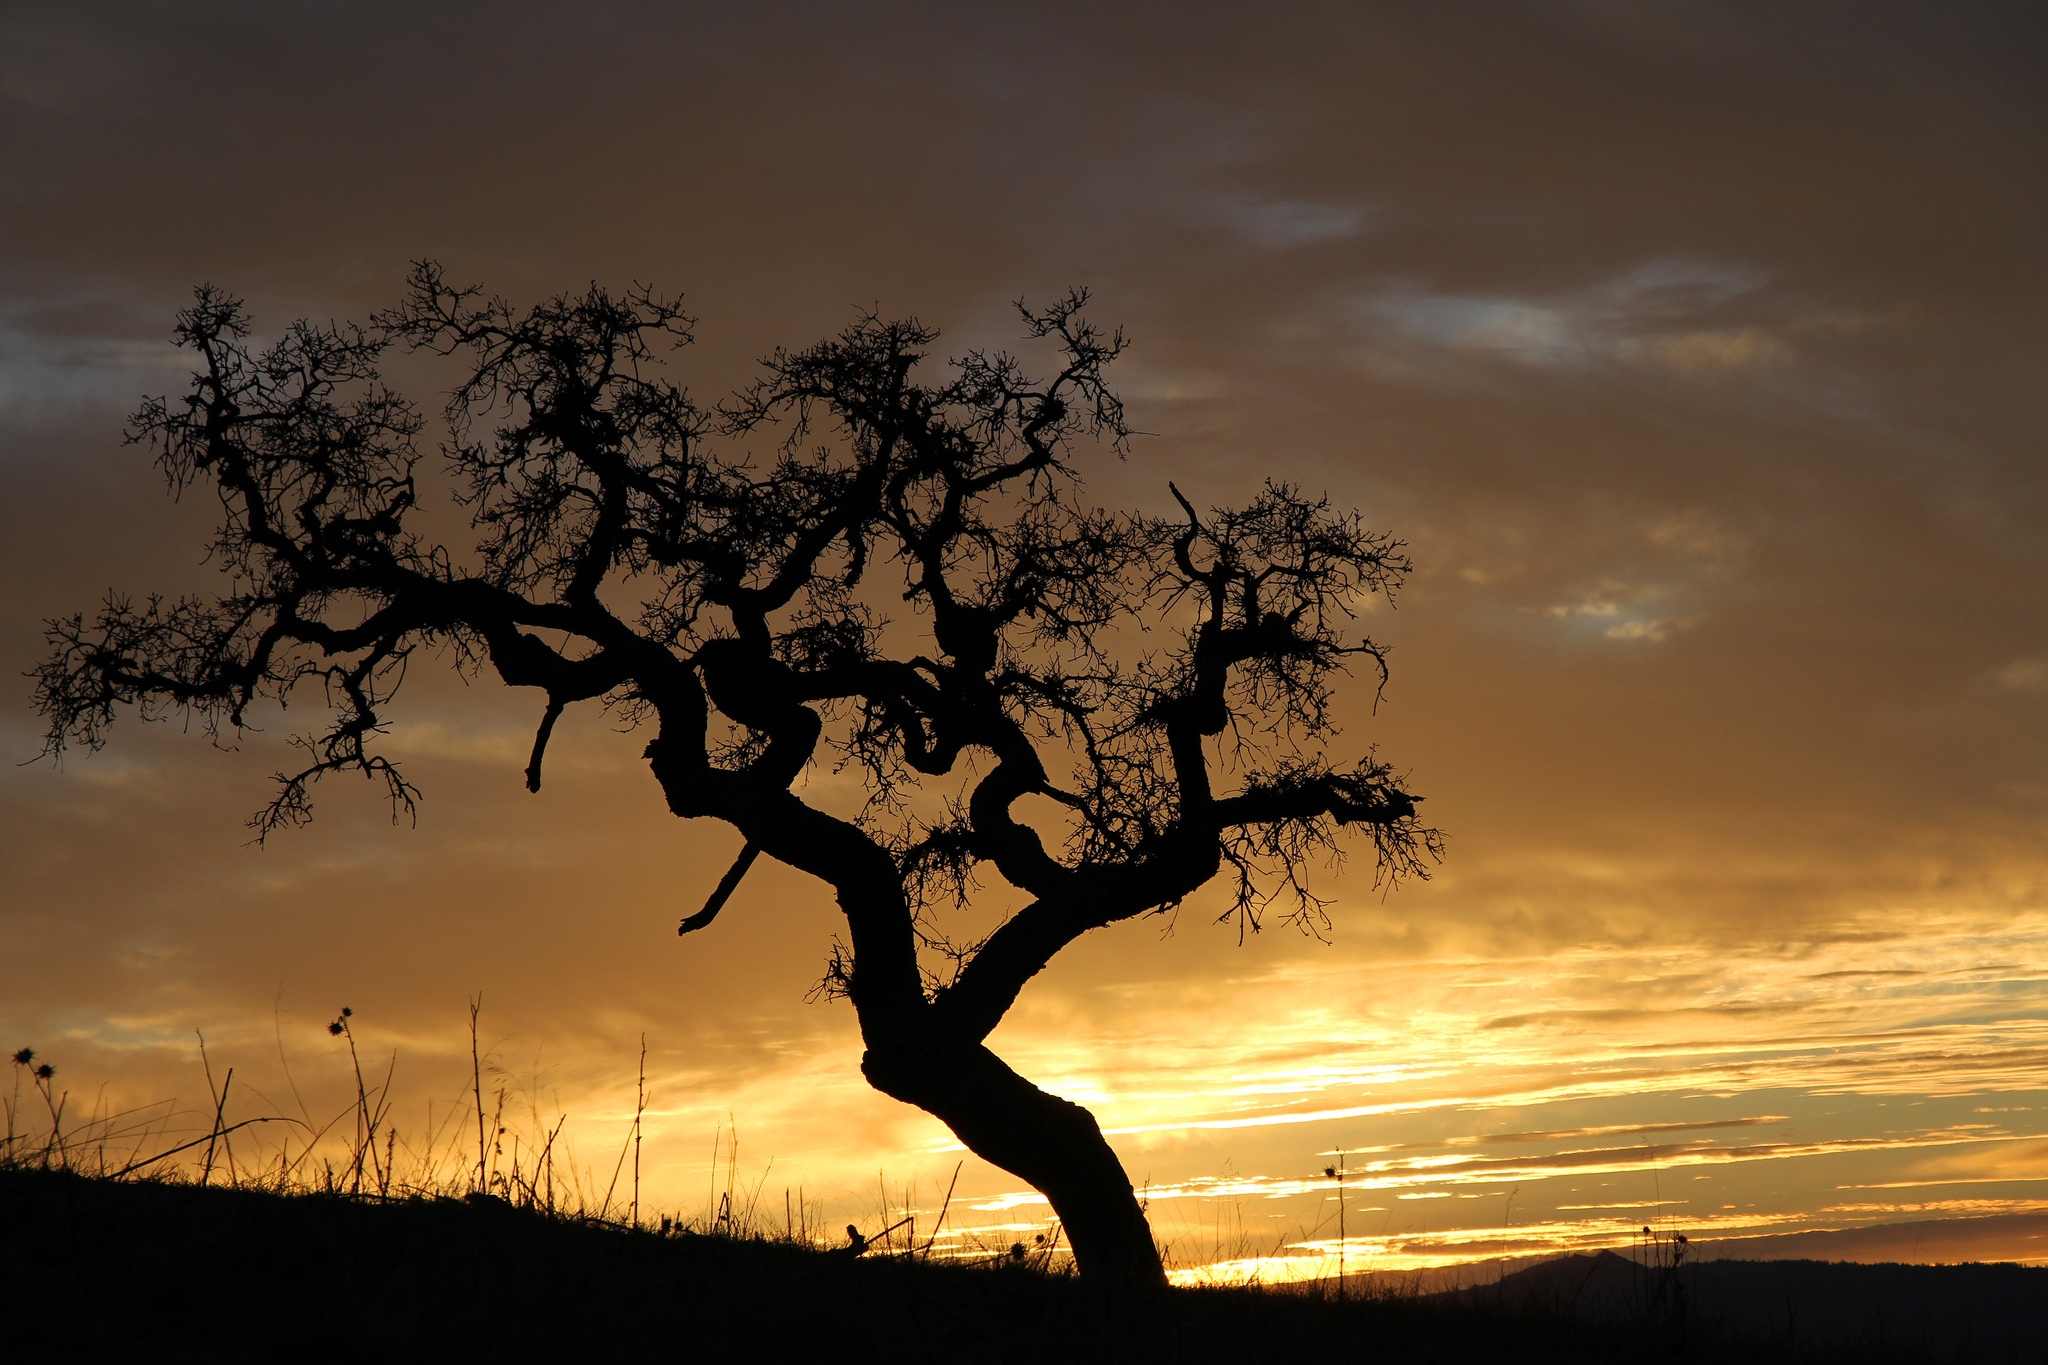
(2021, 1237)
(1999, 1309)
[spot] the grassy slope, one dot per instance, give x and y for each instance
(97, 1270)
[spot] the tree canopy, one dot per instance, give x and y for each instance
(854, 562)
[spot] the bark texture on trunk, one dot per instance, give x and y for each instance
(1053, 1144)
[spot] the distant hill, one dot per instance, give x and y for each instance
(1989, 1312)
(1985, 1237)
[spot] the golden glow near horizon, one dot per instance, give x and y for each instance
(1835, 1082)
(1694, 352)
(1481, 1115)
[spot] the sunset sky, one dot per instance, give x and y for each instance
(1695, 349)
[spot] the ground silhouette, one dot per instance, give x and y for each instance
(1931, 1312)
(105, 1270)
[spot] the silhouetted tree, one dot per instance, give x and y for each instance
(1118, 668)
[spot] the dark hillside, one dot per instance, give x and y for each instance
(99, 1270)
(1933, 1312)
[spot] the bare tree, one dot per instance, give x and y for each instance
(1161, 685)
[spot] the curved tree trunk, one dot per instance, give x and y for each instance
(1052, 1143)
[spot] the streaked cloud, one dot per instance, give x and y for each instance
(1282, 223)
(1652, 314)
(54, 364)
(2025, 675)
(1622, 612)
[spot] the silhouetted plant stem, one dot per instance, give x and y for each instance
(943, 1209)
(21, 1060)
(55, 1106)
(476, 1078)
(639, 1108)
(220, 1105)
(547, 1161)
(497, 1139)
(135, 1166)
(1341, 1248)
(367, 1120)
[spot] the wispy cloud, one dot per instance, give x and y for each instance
(1657, 314)
(1624, 611)
(1278, 224)
(2025, 675)
(1697, 323)
(49, 369)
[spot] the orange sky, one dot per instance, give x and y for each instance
(1694, 348)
